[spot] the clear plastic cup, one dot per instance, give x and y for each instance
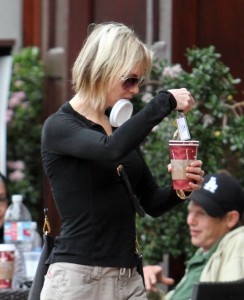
(31, 262)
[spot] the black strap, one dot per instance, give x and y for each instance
(46, 229)
(134, 200)
(140, 268)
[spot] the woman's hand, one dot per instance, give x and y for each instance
(195, 173)
(184, 99)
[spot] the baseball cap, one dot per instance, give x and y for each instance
(220, 193)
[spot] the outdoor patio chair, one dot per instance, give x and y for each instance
(230, 290)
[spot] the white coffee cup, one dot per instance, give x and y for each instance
(121, 112)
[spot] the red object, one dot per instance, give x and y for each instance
(6, 267)
(182, 153)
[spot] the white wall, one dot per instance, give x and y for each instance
(164, 45)
(5, 76)
(165, 26)
(11, 21)
(10, 29)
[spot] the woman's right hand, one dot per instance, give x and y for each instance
(184, 99)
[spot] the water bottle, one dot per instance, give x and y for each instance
(17, 230)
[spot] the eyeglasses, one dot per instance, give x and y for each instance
(130, 82)
(3, 198)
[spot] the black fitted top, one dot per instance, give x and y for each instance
(80, 160)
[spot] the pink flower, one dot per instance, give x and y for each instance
(16, 165)
(16, 98)
(16, 176)
(19, 165)
(18, 83)
(9, 115)
(21, 95)
(13, 102)
(173, 71)
(208, 120)
(26, 104)
(11, 164)
(146, 97)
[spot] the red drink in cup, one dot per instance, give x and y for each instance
(182, 153)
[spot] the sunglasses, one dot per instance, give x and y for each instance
(130, 82)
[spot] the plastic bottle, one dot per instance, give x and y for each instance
(17, 230)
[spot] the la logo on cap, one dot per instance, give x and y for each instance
(211, 185)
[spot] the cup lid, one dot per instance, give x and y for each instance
(178, 142)
(121, 112)
(7, 247)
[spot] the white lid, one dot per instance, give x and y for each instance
(121, 112)
(17, 198)
(7, 247)
(183, 143)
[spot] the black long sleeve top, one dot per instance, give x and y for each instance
(80, 160)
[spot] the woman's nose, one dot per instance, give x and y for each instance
(134, 89)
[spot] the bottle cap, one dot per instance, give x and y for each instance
(17, 198)
(121, 112)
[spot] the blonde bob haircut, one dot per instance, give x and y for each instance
(110, 51)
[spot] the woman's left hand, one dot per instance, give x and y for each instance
(195, 173)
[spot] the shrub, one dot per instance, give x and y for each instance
(24, 128)
(217, 122)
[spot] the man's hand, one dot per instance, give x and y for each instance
(154, 275)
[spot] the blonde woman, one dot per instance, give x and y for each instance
(95, 254)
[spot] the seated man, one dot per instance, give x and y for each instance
(214, 220)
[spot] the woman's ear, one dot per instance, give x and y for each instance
(232, 218)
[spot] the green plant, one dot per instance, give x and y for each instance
(24, 128)
(217, 122)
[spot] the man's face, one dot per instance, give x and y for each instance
(204, 229)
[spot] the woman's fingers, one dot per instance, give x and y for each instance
(195, 174)
(184, 99)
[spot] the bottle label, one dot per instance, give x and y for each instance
(17, 231)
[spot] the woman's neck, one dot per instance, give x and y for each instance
(89, 112)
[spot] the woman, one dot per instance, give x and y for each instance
(4, 196)
(94, 255)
